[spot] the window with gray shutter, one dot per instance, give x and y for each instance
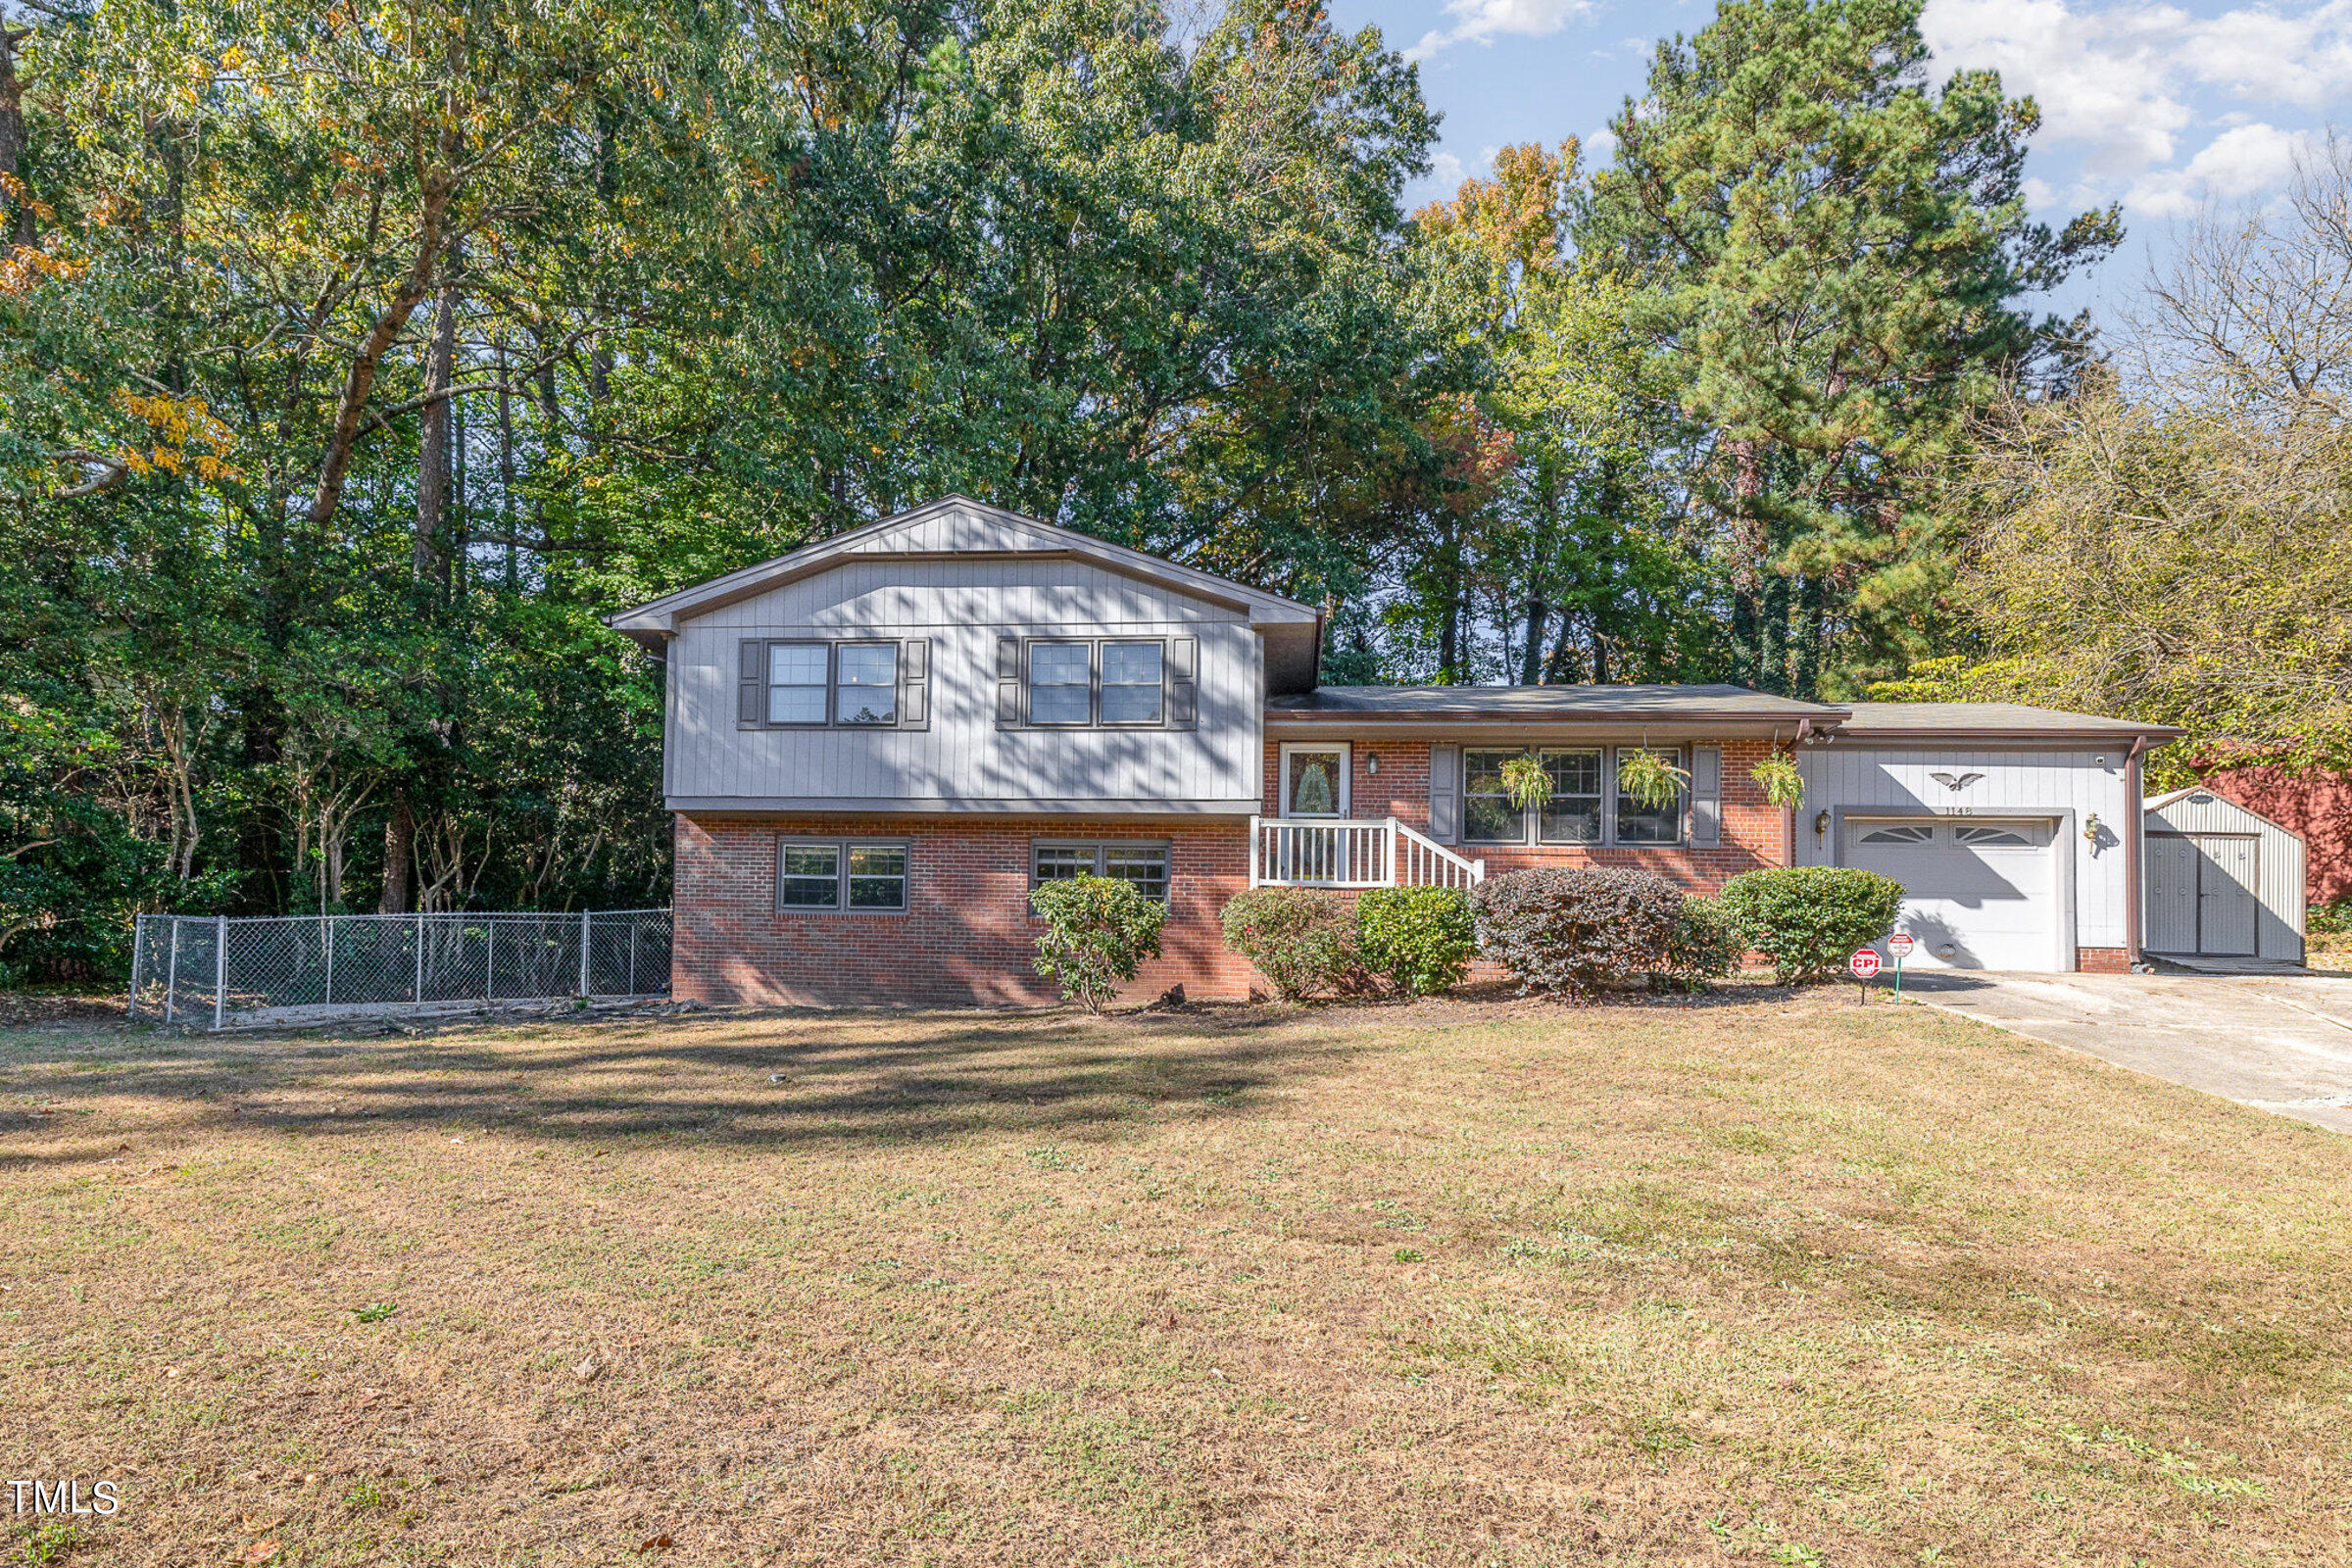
(914, 684)
(1445, 794)
(1008, 682)
(751, 690)
(1706, 797)
(1184, 682)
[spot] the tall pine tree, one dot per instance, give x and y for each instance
(1841, 250)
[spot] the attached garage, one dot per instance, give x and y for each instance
(2221, 882)
(2015, 831)
(1982, 893)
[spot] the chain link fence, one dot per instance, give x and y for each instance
(215, 970)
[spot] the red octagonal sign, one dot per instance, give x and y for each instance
(1864, 964)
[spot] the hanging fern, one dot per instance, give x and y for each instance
(1648, 779)
(1783, 785)
(1526, 782)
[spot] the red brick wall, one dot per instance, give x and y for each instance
(2102, 960)
(2315, 806)
(1752, 828)
(966, 936)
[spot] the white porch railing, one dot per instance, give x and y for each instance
(1380, 853)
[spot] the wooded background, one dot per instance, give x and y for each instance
(358, 358)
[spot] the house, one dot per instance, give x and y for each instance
(875, 747)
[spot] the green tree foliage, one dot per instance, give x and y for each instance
(357, 360)
(1550, 548)
(1838, 248)
(2167, 543)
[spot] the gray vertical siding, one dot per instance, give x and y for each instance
(962, 607)
(2027, 783)
(2278, 865)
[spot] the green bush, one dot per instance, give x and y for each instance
(1575, 929)
(2329, 919)
(1420, 938)
(1303, 941)
(1098, 930)
(1809, 918)
(1708, 944)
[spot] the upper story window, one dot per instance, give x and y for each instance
(865, 683)
(818, 683)
(1095, 682)
(1585, 806)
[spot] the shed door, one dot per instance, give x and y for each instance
(2225, 900)
(2172, 862)
(1978, 893)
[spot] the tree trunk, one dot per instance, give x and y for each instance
(1530, 661)
(399, 846)
(433, 440)
(505, 462)
(12, 132)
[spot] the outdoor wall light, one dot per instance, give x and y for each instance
(2091, 828)
(1821, 823)
(1371, 763)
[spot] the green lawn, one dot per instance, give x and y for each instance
(1768, 1278)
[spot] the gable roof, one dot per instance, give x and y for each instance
(958, 527)
(2208, 810)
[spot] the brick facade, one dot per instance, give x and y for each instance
(1754, 831)
(967, 934)
(2102, 960)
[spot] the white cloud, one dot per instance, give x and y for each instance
(1601, 147)
(2236, 164)
(1485, 21)
(2133, 86)
(1444, 169)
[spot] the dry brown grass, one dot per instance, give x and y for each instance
(1774, 1279)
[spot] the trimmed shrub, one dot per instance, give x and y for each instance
(1303, 941)
(1708, 944)
(1420, 938)
(1808, 918)
(1575, 929)
(1098, 930)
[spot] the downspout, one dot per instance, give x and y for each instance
(2136, 820)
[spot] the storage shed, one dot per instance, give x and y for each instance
(2221, 881)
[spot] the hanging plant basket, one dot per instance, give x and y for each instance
(1782, 784)
(1526, 782)
(1648, 779)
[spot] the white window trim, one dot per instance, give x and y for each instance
(842, 847)
(1346, 753)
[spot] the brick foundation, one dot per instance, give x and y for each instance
(2102, 960)
(966, 934)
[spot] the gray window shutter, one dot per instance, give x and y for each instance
(1182, 673)
(1706, 797)
(1445, 793)
(1008, 682)
(914, 683)
(751, 689)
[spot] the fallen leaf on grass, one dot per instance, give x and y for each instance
(259, 1552)
(660, 1542)
(587, 1370)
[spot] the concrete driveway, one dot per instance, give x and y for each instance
(2278, 1042)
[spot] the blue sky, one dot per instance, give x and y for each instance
(2156, 106)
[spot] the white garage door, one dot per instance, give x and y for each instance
(1981, 895)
